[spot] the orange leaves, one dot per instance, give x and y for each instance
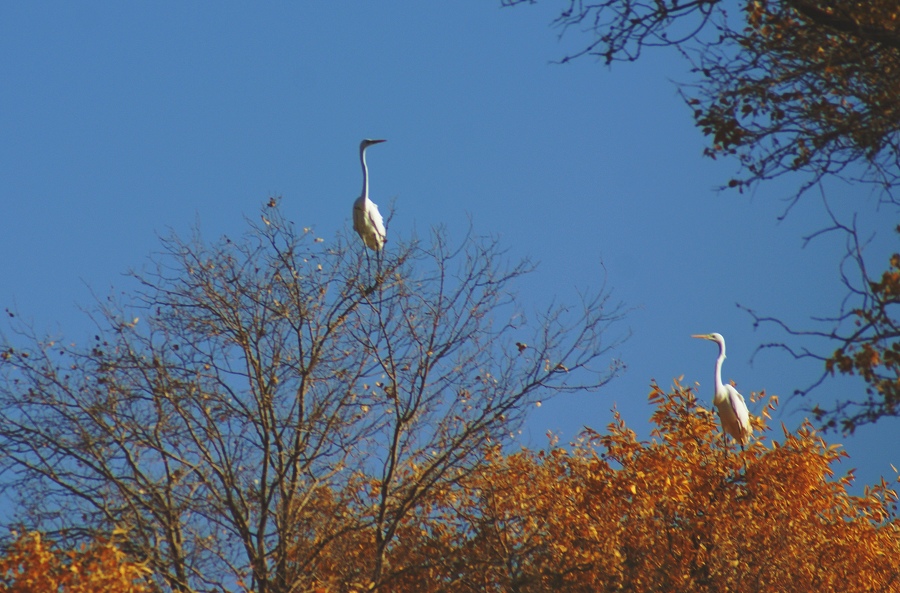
(889, 285)
(33, 565)
(680, 512)
(805, 85)
(872, 351)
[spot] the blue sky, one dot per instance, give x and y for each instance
(123, 121)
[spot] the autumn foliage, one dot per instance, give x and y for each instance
(870, 349)
(807, 85)
(681, 512)
(33, 565)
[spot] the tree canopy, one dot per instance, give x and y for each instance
(683, 511)
(33, 565)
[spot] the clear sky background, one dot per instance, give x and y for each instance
(122, 121)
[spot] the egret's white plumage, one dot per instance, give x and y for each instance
(367, 220)
(730, 404)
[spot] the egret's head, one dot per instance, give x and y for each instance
(713, 337)
(367, 143)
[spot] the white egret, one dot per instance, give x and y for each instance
(729, 403)
(367, 220)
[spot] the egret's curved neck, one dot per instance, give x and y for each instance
(362, 159)
(719, 362)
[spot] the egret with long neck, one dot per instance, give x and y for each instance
(367, 221)
(729, 403)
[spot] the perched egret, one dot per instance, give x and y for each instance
(367, 220)
(730, 404)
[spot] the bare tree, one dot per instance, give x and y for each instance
(259, 399)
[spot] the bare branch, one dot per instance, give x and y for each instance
(262, 402)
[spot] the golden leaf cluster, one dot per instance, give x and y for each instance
(33, 565)
(682, 511)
